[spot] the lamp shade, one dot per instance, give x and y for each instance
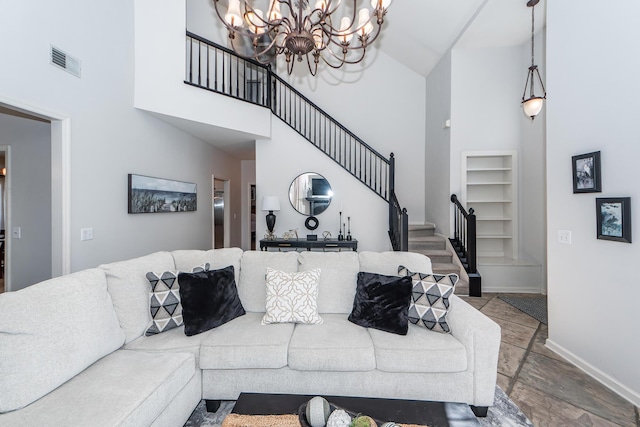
(533, 106)
(270, 203)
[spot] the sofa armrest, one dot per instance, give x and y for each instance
(481, 337)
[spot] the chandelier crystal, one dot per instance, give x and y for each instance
(533, 104)
(298, 31)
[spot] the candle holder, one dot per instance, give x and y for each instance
(340, 235)
(349, 230)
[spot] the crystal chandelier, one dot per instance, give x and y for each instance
(533, 105)
(293, 29)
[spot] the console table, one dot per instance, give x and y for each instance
(265, 244)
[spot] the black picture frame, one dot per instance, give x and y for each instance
(613, 218)
(147, 194)
(586, 173)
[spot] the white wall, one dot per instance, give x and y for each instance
(30, 205)
(160, 70)
(369, 213)
(438, 147)
(593, 90)
(109, 138)
(532, 208)
(383, 103)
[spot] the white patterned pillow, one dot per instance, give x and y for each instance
(429, 304)
(164, 300)
(292, 297)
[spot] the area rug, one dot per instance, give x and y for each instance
(535, 307)
(504, 413)
(237, 420)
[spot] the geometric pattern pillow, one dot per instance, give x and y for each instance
(430, 299)
(292, 297)
(164, 300)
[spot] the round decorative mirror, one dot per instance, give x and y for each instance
(310, 194)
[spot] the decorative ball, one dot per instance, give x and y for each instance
(318, 411)
(339, 418)
(390, 424)
(363, 421)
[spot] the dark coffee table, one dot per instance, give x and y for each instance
(433, 414)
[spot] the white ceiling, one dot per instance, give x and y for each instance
(417, 33)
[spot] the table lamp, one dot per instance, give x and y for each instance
(270, 203)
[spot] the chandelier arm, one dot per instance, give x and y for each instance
(343, 59)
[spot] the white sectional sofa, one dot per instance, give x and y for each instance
(73, 350)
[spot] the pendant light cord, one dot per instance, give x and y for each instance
(532, 31)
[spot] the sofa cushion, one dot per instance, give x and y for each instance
(292, 297)
(51, 331)
(209, 299)
(172, 341)
(337, 281)
(129, 288)
(245, 344)
(217, 258)
(382, 302)
(430, 299)
(125, 388)
(421, 350)
(335, 345)
(252, 286)
(388, 262)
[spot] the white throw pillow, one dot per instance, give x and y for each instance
(292, 297)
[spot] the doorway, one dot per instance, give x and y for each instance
(220, 213)
(59, 206)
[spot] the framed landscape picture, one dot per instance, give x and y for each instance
(157, 195)
(586, 173)
(614, 219)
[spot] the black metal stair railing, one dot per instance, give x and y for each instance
(218, 69)
(464, 243)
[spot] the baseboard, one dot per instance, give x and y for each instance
(509, 290)
(605, 379)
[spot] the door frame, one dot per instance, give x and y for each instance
(227, 212)
(60, 186)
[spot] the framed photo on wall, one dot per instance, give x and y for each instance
(614, 219)
(586, 173)
(157, 195)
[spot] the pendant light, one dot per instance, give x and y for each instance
(533, 104)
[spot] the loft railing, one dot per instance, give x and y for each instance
(213, 67)
(464, 244)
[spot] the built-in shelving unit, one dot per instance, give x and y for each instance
(489, 186)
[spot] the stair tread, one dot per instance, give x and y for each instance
(435, 252)
(444, 266)
(436, 239)
(422, 227)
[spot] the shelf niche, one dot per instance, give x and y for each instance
(490, 187)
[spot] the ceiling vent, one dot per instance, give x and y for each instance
(65, 61)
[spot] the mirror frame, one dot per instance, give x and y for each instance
(305, 191)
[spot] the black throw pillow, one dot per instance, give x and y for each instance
(382, 302)
(209, 299)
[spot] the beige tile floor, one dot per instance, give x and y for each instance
(549, 390)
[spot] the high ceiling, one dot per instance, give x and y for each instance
(418, 33)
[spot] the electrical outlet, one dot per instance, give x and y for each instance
(86, 234)
(564, 237)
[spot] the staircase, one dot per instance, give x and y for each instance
(215, 68)
(423, 240)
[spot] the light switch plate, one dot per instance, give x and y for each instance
(86, 234)
(564, 237)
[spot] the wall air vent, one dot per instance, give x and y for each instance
(65, 61)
